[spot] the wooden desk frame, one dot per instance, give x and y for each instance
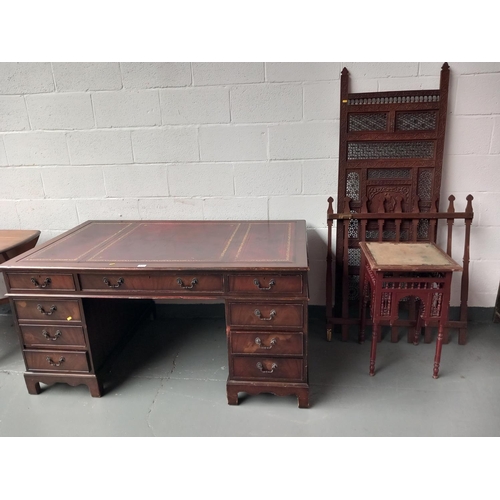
(71, 297)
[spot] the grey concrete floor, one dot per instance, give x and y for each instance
(170, 381)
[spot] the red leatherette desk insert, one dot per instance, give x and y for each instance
(61, 293)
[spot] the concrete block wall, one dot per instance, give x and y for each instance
(254, 140)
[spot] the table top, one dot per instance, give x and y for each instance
(173, 245)
(425, 257)
(12, 238)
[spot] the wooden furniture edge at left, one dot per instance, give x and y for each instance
(14, 242)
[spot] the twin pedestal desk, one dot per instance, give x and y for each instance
(71, 297)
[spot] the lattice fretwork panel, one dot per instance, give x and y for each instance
(421, 120)
(392, 149)
(367, 121)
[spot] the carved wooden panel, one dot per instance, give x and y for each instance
(391, 148)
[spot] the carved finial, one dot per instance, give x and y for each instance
(347, 206)
(344, 72)
(445, 66)
(468, 208)
(451, 206)
(330, 206)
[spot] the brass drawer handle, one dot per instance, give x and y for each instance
(43, 311)
(46, 334)
(270, 346)
(119, 282)
(52, 363)
(272, 314)
(274, 366)
(194, 281)
(45, 284)
(257, 284)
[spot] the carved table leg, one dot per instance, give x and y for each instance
(373, 351)
(439, 345)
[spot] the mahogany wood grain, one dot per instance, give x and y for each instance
(53, 337)
(265, 315)
(48, 309)
(254, 368)
(269, 284)
(46, 282)
(261, 343)
(56, 360)
(178, 282)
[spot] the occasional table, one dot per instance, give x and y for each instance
(390, 272)
(70, 297)
(14, 242)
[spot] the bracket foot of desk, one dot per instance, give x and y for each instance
(300, 390)
(33, 382)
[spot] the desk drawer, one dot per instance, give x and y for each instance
(250, 368)
(181, 283)
(266, 314)
(47, 309)
(56, 360)
(266, 284)
(266, 343)
(53, 337)
(33, 281)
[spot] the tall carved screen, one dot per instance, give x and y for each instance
(390, 159)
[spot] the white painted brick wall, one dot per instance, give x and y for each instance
(139, 108)
(139, 75)
(266, 103)
(13, 113)
(303, 140)
(159, 145)
(195, 105)
(36, 148)
(83, 76)
(202, 179)
(100, 147)
(58, 111)
(242, 140)
(227, 73)
(3, 155)
(21, 183)
(135, 181)
(271, 179)
(233, 143)
(25, 78)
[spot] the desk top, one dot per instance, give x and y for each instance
(173, 245)
(387, 256)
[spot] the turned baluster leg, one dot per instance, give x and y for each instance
(373, 351)
(364, 302)
(418, 326)
(439, 345)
